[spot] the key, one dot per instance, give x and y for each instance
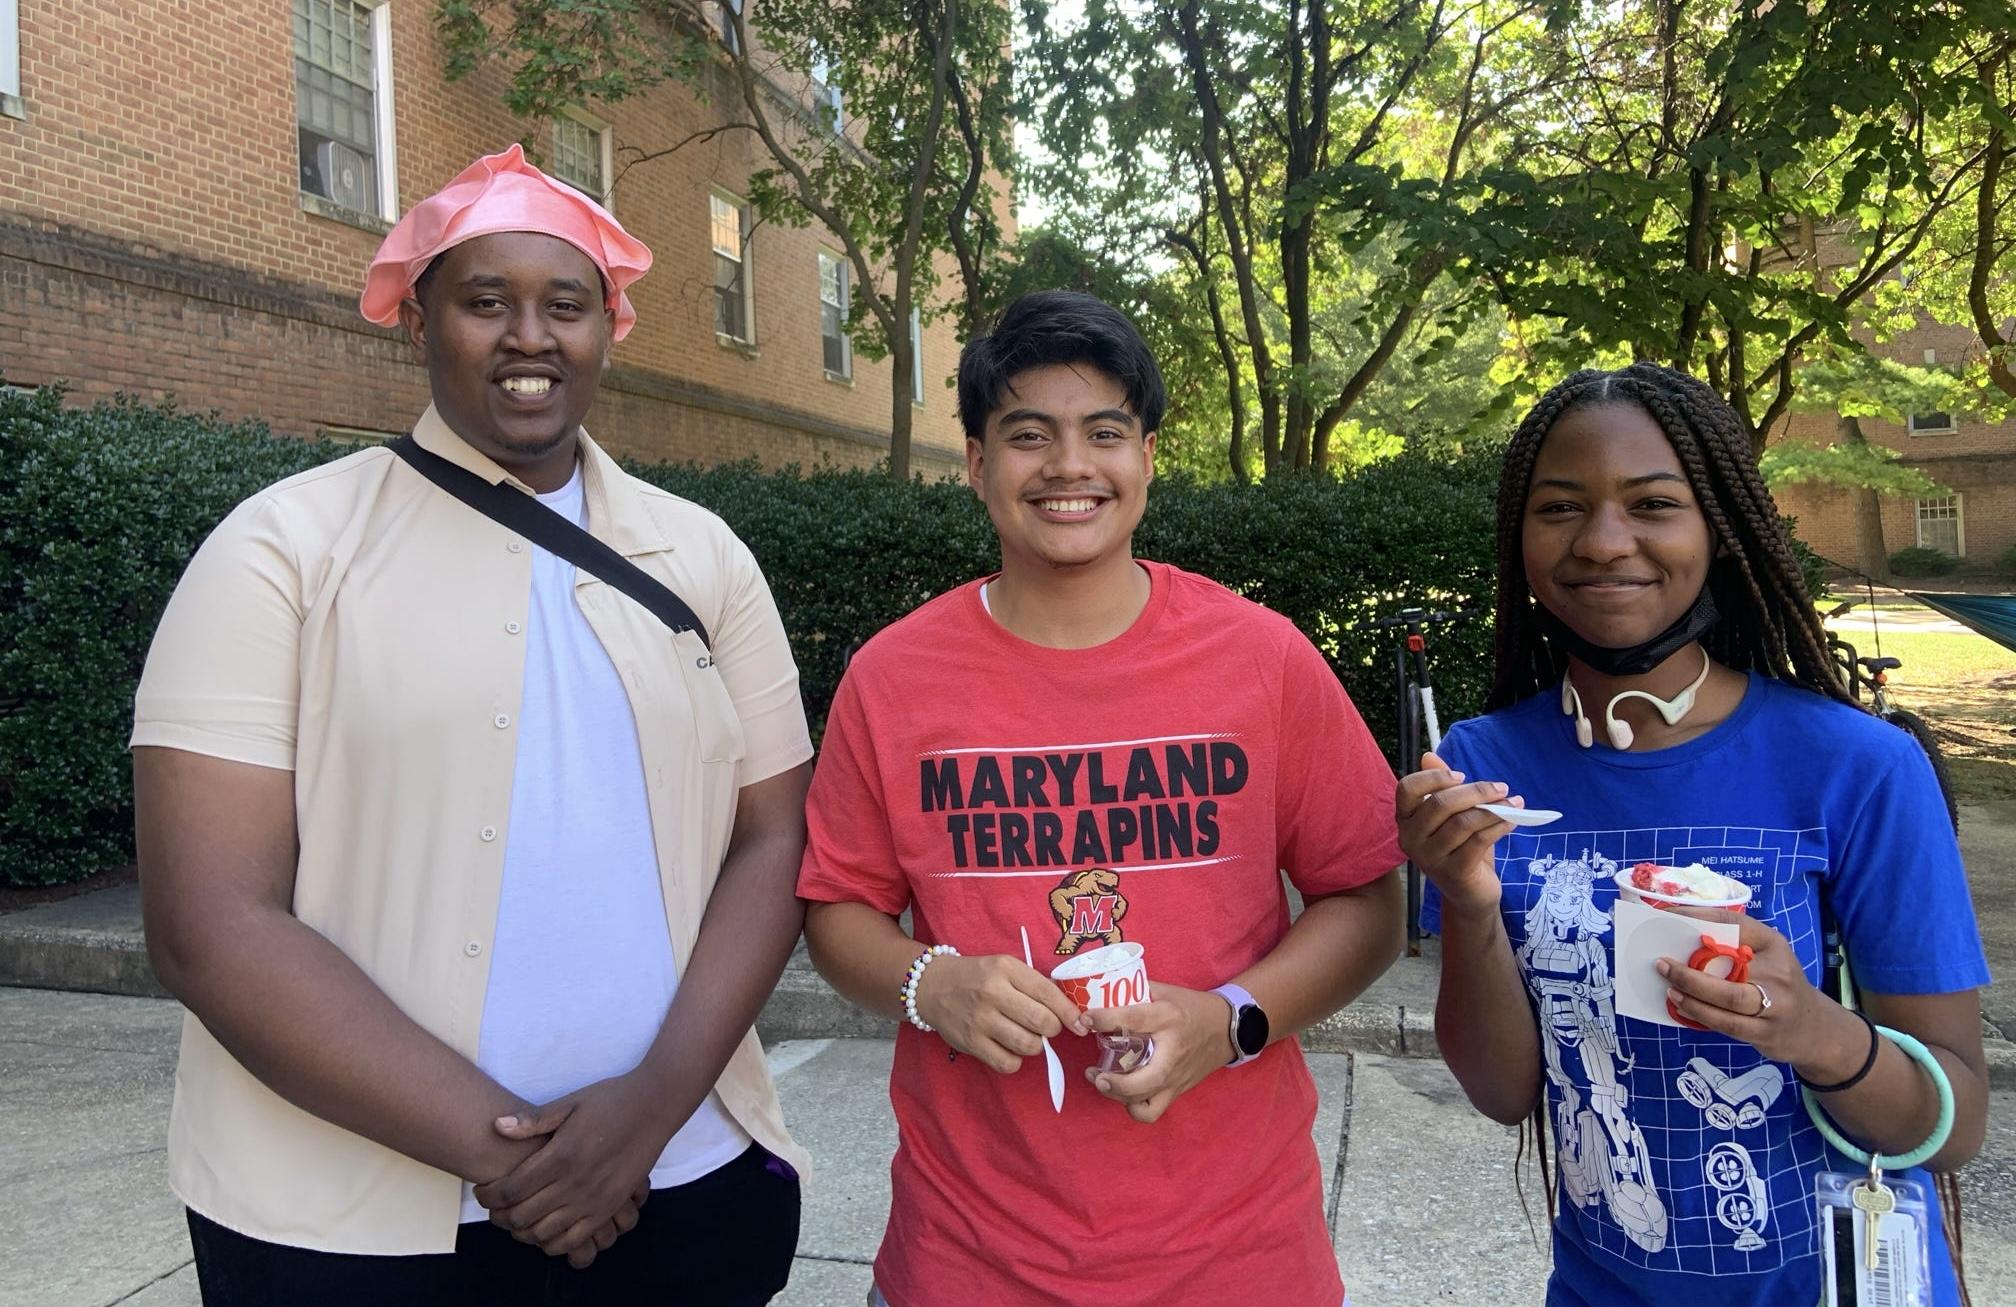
(1873, 1200)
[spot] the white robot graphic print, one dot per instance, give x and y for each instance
(1602, 1152)
(1678, 1149)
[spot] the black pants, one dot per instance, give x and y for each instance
(725, 1240)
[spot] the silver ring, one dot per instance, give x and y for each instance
(1762, 997)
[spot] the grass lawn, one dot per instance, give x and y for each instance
(1964, 685)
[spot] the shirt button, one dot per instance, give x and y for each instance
(516, 546)
(489, 833)
(512, 628)
(502, 720)
(472, 948)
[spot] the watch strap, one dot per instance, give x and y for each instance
(1240, 1000)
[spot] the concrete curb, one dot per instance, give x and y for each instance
(97, 947)
(2001, 1055)
(33, 956)
(804, 1006)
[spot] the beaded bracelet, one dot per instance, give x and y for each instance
(1941, 1131)
(916, 972)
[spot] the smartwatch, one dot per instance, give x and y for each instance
(1249, 1024)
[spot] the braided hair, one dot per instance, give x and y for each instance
(1768, 620)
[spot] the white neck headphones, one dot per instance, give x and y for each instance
(1620, 732)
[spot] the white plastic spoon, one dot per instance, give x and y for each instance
(1050, 1062)
(1521, 816)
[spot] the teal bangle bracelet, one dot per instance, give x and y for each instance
(1917, 1156)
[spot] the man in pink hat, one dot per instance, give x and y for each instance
(470, 776)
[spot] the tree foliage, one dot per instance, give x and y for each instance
(905, 174)
(1739, 188)
(1305, 166)
(1855, 465)
(1966, 270)
(1727, 184)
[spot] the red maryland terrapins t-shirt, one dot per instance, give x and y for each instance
(1149, 789)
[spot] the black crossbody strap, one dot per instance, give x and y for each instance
(553, 533)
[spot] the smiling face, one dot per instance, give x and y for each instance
(516, 338)
(1063, 467)
(1614, 539)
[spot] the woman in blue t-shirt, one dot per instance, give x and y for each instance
(1661, 678)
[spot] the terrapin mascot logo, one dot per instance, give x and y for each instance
(1088, 905)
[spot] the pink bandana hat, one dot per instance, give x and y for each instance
(501, 192)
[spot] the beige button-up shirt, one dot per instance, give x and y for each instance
(361, 628)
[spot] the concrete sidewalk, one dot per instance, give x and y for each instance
(1420, 1186)
(1422, 1202)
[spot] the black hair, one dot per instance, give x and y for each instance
(1058, 326)
(425, 281)
(1768, 620)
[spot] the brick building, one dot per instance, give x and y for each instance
(190, 192)
(1975, 460)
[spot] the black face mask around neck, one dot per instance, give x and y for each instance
(1639, 658)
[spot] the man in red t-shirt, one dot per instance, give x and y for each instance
(1093, 749)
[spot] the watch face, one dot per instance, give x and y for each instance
(1252, 1030)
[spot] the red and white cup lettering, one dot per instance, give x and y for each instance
(1113, 976)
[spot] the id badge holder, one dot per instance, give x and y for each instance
(1875, 1250)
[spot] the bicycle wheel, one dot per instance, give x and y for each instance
(1914, 726)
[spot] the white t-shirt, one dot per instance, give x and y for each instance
(582, 972)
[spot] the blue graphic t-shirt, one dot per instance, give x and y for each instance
(1685, 1158)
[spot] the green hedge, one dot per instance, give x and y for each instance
(103, 506)
(1920, 561)
(100, 509)
(848, 552)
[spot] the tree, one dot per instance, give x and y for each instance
(1308, 164)
(884, 120)
(1684, 207)
(1966, 271)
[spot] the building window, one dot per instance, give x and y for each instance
(343, 104)
(1930, 424)
(581, 155)
(730, 11)
(731, 269)
(10, 59)
(1940, 526)
(836, 350)
(825, 95)
(916, 357)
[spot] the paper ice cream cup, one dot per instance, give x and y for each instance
(1113, 976)
(1643, 939)
(1630, 893)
